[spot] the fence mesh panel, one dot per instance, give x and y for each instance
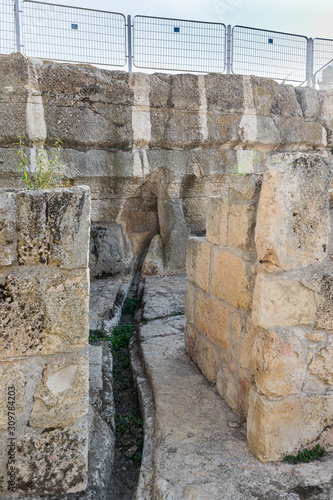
(178, 45)
(269, 54)
(7, 27)
(322, 59)
(73, 34)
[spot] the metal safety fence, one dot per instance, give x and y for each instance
(271, 54)
(7, 27)
(322, 57)
(178, 45)
(75, 34)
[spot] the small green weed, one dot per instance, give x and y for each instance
(306, 455)
(130, 429)
(119, 337)
(130, 305)
(47, 171)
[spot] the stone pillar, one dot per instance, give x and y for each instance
(259, 303)
(44, 375)
(291, 402)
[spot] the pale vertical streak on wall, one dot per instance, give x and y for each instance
(141, 125)
(203, 108)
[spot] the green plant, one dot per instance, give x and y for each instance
(306, 455)
(121, 335)
(47, 171)
(119, 338)
(130, 305)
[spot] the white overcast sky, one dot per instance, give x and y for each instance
(313, 18)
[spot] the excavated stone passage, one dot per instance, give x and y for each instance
(195, 446)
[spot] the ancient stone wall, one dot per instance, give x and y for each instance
(152, 148)
(259, 302)
(44, 382)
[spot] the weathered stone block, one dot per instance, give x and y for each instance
(190, 296)
(226, 384)
(322, 365)
(235, 336)
(41, 227)
(213, 221)
(279, 367)
(198, 262)
(279, 301)
(212, 319)
(230, 281)
(279, 428)
(44, 368)
(36, 472)
(241, 222)
(8, 235)
(293, 224)
(62, 395)
(224, 226)
(206, 358)
(43, 310)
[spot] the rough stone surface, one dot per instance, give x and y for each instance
(106, 299)
(293, 213)
(154, 149)
(258, 314)
(199, 448)
(44, 295)
(164, 296)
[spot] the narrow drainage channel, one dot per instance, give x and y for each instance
(128, 419)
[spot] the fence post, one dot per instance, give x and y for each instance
(229, 47)
(309, 63)
(17, 25)
(129, 43)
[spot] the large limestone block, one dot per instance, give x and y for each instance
(279, 428)
(201, 351)
(228, 387)
(198, 262)
(213, 220)
(278, 364)
(322, 365)
(230, 281)
(282, 301)
(37, 456)
(190, 298)
(51, 227)
(241, 223)
(212, 319)
(14, 92)
(86, 108)
(8, 235)
(174, 112)
(293, 220)
(43, 310)
(62, 395)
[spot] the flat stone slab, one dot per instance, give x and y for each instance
(164, 296)
(200, 448)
